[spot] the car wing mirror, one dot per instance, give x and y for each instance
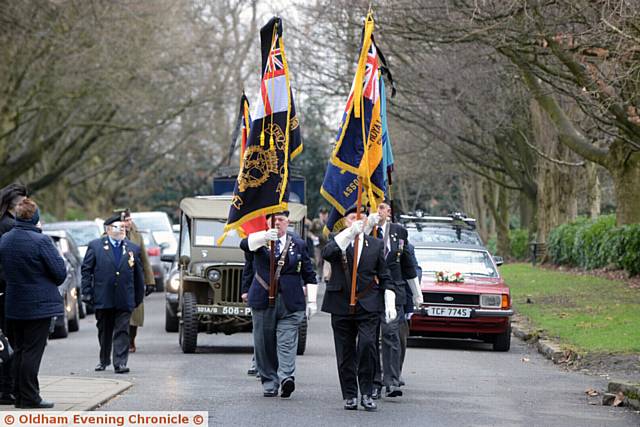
(168, 258)
(499, 260)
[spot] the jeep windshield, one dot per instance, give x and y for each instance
(208, 231)
(467, 262)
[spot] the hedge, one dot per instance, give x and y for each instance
(596, 243)
(519, 239)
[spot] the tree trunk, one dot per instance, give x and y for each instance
(496, 198)
(625, 170)
(593, 190)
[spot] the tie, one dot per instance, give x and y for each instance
(278, 248)
(380, 235)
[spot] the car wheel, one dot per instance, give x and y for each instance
(81, 310)
(74, 322)
(61, 330)
(302, 337)
(188, 328)
(171, 323)
(502, 342)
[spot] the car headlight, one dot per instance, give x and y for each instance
(213, 275)
(174, 282)
(490, 300)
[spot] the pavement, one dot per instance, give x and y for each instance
(76, 393)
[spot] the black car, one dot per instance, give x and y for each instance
(455, 228)
(69, 289)
(73, 255)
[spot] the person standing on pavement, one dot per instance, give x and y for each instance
(113, 281)
(10, 196)
(275, 329)
(403, 273)
(354, 332)
(33, 270)
(137, 317)
(320, 241)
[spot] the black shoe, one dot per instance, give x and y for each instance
(121, 369)
(252, 371)
(368, 404)
(43, 404)
(273, 393)
(7, 399)
(351, 404)
(376, 392)
(288, 385)
(393, 391)
(100, 367)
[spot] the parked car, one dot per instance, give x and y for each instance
(71, 253)
(160, 226)
(82, 232)
(455, 228)
(70, 320)
(154, 251)
(478, 306)
(208, 295)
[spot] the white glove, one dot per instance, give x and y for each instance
(348, 235)
(261, 238)
(271, 235)
(390, 312)
(372, 220)
(416, 291)
(312, 296)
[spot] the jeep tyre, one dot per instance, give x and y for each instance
(61, 328)
(189, 325)
(502, 342)
(171, 323)
(302, 337)
(74, 322)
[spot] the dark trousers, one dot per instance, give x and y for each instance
(6, 371)
(404, 336)
(30, 339)
(113, 333)
(389, 351)
(355, 343)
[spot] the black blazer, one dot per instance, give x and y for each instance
(370, 266)
(400, 261)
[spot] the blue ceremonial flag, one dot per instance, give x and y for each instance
(274, 140)
(387, 152)
(359, 144)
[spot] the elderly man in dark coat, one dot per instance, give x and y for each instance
(113, 280)
(33, 270)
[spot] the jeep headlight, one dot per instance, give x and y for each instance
(214, 276)
(174, 281)
(490, 300)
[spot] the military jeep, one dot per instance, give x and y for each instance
(208, 298)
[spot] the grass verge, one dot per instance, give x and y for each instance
(588, 313)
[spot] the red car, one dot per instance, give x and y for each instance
(464, 295)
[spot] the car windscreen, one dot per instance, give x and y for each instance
(208, 231)
(442, 235)
(152, 222)
(468, 262)
(83, 235)
(146, 238)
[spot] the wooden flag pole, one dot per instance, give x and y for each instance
(354, 272)
(272, 267)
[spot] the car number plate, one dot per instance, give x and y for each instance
(223, 310)
(449, 311)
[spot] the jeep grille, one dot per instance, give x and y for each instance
(231, 282)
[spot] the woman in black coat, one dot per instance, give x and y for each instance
(33, 270)
(10, 196)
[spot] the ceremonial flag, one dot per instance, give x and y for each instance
(243, 124)
(387, 152)
(359, 143)
(274, 139)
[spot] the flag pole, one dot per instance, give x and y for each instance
(354, 272)
(272, 265)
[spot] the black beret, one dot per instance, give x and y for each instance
(283, 213)
(112, 219)
(123, 212)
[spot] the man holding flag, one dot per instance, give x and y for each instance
(360, 287)
(276, 295)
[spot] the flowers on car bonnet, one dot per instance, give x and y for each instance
(447, 276)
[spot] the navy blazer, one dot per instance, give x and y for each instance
(33, 269)
(400, 261)
(110, 286)
(297, 271)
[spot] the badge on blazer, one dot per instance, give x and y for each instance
(132, 261)
(106, 246)
(299, 267)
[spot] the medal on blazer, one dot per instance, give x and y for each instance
(132, 261)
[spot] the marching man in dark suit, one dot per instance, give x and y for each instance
(354, 333)
(275, 329)
(113, 280)
(402, 268)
